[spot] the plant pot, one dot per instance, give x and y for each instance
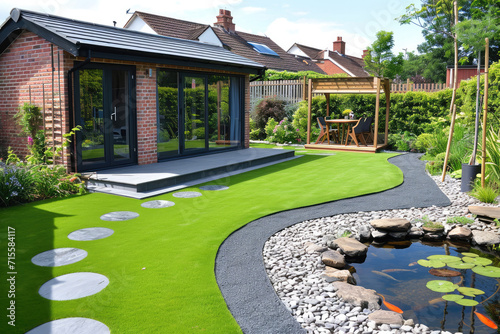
(469, 173)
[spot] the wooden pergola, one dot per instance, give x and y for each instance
(354, 85)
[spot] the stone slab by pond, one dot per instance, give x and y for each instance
(119, 216)
(71, 325)
(391, 224)
(158, 204)
(483, 238)
(351, 247)
(73, 286)
(187, 194)
(386, 317)
(59, 257)
(333, 259)
(488, 211)
(214, 187)
(90, 233)
(358, 296)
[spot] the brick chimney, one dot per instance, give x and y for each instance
(339, 45)
(365, 52)
(225, 20)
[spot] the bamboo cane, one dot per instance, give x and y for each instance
(452, 104)
(485, 113)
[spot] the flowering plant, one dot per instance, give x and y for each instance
(346, 112)
(282, 132)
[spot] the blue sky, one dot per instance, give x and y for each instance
(313, 23)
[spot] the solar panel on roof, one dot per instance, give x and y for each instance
(263, 49)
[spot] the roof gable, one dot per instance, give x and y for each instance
(80, 38)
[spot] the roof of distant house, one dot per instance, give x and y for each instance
(88, 39)
(352, 64)
(234, 41)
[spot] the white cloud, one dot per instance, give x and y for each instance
(252, 10)
(301, 13)
(316, 34)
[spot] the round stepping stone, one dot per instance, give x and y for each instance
(119, 216)
(59, 257)
(73, 286)
(157, 204)
(187, 194)
(214, 187)
(71, 325)
(91, 233)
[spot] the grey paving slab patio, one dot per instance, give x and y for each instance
(150, 180)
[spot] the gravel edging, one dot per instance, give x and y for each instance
(239, 267)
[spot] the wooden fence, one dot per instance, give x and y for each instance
(292, 91)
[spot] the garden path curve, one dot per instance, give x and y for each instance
(239, 266)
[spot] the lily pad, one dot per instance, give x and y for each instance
(441, 286)
(431, 263)
(471, 292)
(488, 271)
(461, 265)
(467, 259)
(482, 261)
(444, 258)
(452, 298)
(470, 254)
(466, 302)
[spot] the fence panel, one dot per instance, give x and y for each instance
(292, 90)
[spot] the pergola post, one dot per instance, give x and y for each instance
(376, 82)
(327, 96)
(309, 106)
(387, 91)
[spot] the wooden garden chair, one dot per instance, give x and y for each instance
(356, 132)
(323, 135)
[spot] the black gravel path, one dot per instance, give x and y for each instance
(239, 266)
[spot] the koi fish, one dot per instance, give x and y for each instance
(394, 270)
(412, 264)
(485, 320)
(391, 307)
(436, 300)
(384, 275)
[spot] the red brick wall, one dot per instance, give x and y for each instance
(330, 68)
(25, 73)
(28, 63)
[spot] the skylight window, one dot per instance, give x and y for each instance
(263, 49)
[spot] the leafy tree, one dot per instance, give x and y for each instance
(380, 61)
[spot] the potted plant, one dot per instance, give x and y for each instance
(346, 113)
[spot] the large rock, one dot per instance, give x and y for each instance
(386, 317)
(483, 238)
(339, 276)
(351, 247)
(311, 247)
(333, 259)
(391, 224)
(364, 233)
(460, 233)
(487, 211)
(358, 296)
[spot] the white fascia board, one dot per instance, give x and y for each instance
(297, 51)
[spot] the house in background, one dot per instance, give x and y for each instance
(331, 62)
(260, 49)
(138, 97)
(464, 72)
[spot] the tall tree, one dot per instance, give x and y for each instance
(380, 61)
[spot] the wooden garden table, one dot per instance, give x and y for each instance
(346, 123)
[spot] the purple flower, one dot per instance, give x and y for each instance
(30, 141)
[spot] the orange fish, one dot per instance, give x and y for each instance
(485, 320)
(391, 307)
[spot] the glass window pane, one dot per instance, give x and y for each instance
(194, 114)
(168, 124)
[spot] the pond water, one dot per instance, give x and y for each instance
(392, 270)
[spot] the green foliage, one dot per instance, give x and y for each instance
(492, 173)
(486, 194)
(423, 142)
(459, 220)
(266, 109)
(30, 118)
(380, 61)
(402, 141)
(285, 75)
(282, 132)
(22, 182)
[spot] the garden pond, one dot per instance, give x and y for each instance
(444, 286)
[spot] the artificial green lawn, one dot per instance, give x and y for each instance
(177, 291)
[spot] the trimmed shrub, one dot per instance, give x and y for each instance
(266, 109)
